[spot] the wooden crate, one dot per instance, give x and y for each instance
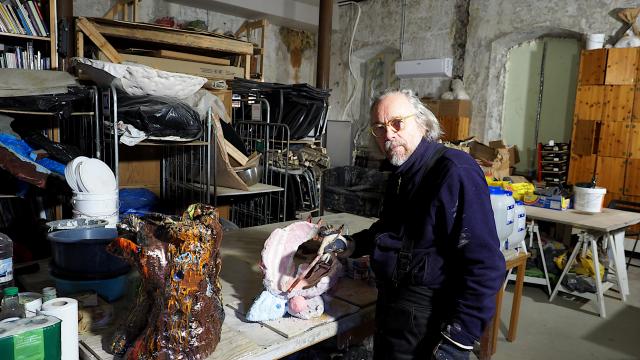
(454, 128)
(618, 103)
(614, 139)
(584, 137)
(592, 67)
(581, 168)
(610, 173)
(589, 102)
(621, 66)
(632, 178)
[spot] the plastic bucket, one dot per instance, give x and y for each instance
(595, 41)
(95, 204)
(84, 251)
(588, 200)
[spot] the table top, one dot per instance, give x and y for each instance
(606, 221)
(350, 303)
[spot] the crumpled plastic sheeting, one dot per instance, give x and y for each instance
(179, 310)
(26, 153)
(136, 79)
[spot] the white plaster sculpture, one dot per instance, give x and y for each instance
(296, 289)
(628, 40)
(457, 91)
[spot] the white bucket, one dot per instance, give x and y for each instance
(595, 41)
(112, 219)
(588, 199)
(94, 204)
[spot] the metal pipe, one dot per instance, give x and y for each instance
(324, 44)
(404, 5)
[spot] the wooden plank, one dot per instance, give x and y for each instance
(632, 178)
(589, 102)
(236, 154)
(226, 97)
(168, 54)
(161, 35)
(247, 66)
(584, 136)
(614, 139)
(605, 221)
(209, 71)
(610, 173)
(634, 141)
(53, 34)
(88, 29)
(140, 167)
(618, 103)
(581, 168)
(79, 44)
(356, 292)
(592, 67)
(621, 66)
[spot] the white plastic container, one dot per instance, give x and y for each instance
(503, 207)
(112, 219)
(595, 41)
(95, 204)
(519, 227)
(588, 200)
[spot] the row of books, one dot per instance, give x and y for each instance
(22, 17)
(23, 57)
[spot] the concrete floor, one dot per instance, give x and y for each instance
(570, 328)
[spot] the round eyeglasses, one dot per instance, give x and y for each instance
(396, 123)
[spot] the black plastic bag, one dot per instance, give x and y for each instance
(159, 116)
(61, 105)
(57, 151)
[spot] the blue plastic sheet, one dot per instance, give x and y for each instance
(137, 201)
(23, 149)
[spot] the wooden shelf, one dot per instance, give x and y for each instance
(86, 113)
(25, 36)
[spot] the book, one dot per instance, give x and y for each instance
(25, 17)
(42, 19)
(16, 21)
(4, 26)
(36, 17)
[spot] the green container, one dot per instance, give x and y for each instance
(34, 338)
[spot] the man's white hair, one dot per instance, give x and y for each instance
(424, 116)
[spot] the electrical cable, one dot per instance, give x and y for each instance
(351, 72)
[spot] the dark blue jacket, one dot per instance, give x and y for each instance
(449, 217)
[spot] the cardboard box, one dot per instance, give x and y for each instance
(556, 202)
(514, 155)
(209, 71)
(494, 162)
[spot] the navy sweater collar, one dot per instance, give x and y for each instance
(417, 159)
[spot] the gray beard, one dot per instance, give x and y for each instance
(396, 159)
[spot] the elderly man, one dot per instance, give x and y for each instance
(435, 250)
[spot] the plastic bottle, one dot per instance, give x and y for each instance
(519, 227)
(11, 304)
(6, 262)
(503, 206)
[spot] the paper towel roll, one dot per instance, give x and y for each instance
(65, 309)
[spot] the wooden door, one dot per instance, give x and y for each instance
(592, 67)
(618, 103)
(584, 137)
(621, 66)
(610, 173)
(589, 102)
(581, 168)
(614, 139)
(632, 178)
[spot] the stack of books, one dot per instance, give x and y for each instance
(22, 17)
(23, 57)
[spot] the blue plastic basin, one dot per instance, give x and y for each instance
(84, 251)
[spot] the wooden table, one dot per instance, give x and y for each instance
(350, 303)
(608, 227)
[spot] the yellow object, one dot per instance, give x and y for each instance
(583, 266)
